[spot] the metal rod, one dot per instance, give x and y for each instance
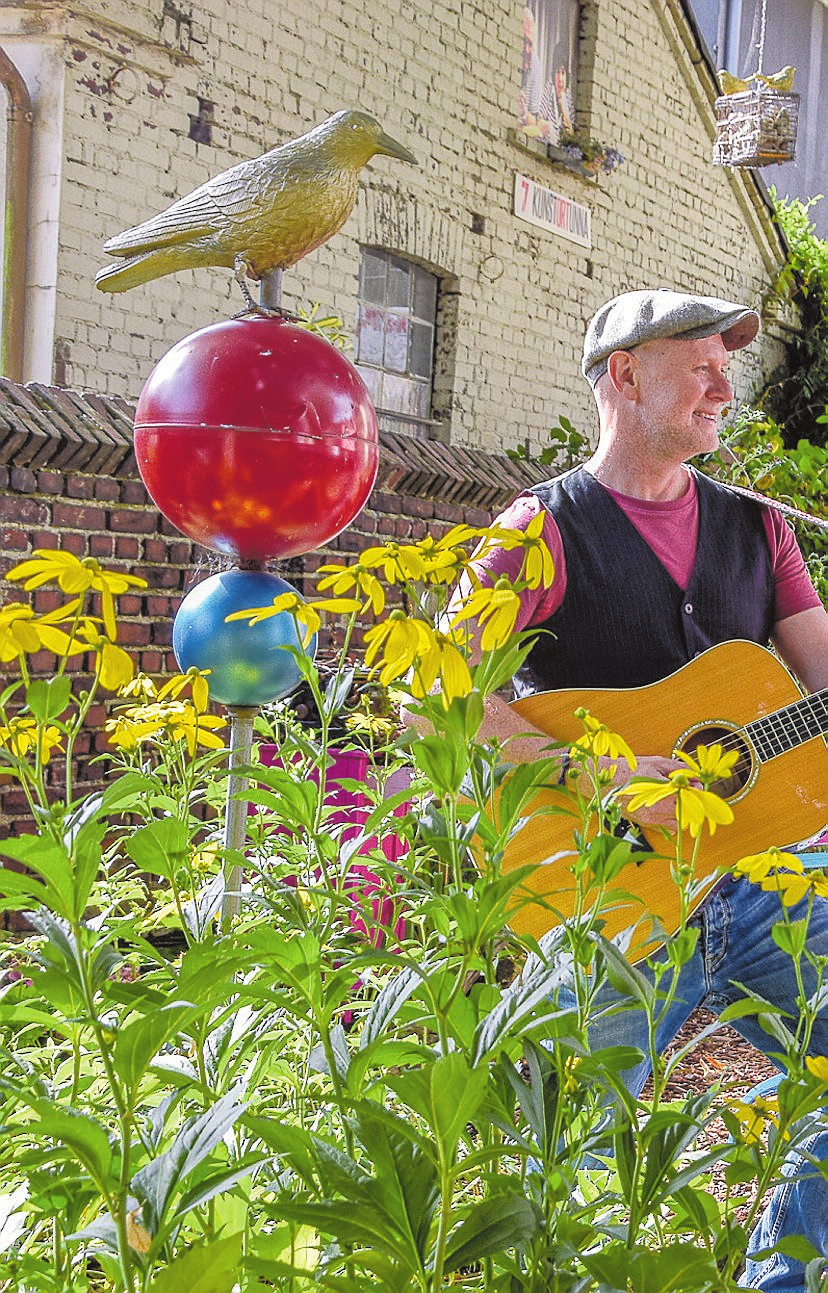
(235, 822)
(270, 290)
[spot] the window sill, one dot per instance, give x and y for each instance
(551, 153)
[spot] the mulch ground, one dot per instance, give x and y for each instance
(724, 1057)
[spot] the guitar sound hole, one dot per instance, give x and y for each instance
(727, 787)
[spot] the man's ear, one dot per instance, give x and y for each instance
(622, 371)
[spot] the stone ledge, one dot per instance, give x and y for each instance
(48, 426)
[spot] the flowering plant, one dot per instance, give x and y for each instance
(594, 156)
(225, 1114)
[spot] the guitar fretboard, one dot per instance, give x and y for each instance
(786, 728)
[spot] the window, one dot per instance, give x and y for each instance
(550, 68)
(395, 339)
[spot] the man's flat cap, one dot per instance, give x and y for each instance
(635, 317)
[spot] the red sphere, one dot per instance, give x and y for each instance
(257, 438)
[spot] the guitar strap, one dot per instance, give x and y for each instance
(785, 508)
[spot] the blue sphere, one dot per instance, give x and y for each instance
(248, 663)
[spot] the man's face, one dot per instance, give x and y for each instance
(682, 391)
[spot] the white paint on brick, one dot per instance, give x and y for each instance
(441, 76)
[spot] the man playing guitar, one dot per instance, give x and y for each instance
(654, 564)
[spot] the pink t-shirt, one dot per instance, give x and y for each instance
(671, 529)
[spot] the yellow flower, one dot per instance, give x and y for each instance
(445, 558)
(818, 1065)
(399, 562)
(442, 661)
(74, 575)
(710, 764)
(753, 1118)
(538, 566)
(364, 722)
(115, 666)
(141, 686)
(402, 642)
(599, 742)
(759, 865)
(177, 719)
(305, 613)
(344, 579)
(782, 873)
(694, 807)
(206, 859)
(495, 609)
(196, 679)
(24, 734)
(22, 632)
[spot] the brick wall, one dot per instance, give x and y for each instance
(68, 480)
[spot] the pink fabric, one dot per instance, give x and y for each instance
(671, 529)
(373, 910)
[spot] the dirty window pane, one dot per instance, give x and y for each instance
(370, 335)
(399, 285)
(396, 343)
(372, 287)
(421, 347)
(424, 302)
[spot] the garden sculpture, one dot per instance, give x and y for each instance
(260, 215)
(781, 81)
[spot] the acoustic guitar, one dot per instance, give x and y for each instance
(738, 694)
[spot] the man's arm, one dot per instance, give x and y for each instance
(802, 642)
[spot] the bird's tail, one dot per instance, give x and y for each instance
(135, 270)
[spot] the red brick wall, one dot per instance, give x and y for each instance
(68, 480)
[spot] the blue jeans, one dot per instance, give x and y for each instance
(736, 946)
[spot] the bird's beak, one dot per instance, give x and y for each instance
(385, 144)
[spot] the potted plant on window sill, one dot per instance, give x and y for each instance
(585, 156)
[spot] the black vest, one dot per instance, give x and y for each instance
(624, 621)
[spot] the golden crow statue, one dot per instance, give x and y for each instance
(259, 215)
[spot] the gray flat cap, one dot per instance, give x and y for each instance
(635, 317)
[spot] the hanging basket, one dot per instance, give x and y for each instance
(756, 127)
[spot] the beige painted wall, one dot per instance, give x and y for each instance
(442, 77)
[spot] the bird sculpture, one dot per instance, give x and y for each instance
(732, 84)
(781, 81)
(260, 215)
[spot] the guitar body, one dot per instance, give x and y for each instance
(775, 801)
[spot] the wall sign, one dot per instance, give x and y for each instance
(550, 210)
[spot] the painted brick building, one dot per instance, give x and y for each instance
(136, 103)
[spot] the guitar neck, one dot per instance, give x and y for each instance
(783, 730)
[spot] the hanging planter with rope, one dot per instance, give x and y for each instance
(756, 118)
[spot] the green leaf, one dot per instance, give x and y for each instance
(391, 999)
(791, 936)
(505, 1221)
(446, 1093)
(155, 1183)
(47, 698)
(160, 847)
(623, 976)
(406, 1187)
(79, 1133)
(518, 1004)
(211, 1268)
(140, 1041)
(444, 760)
